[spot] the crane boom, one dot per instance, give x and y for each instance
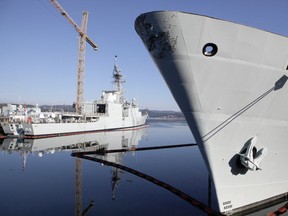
(81, 51)
(74, 24)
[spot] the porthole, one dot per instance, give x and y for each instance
(210, 49)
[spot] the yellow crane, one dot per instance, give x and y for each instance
(81, 52)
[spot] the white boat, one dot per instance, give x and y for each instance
(12, 116)
(111, 112)
(229, 80)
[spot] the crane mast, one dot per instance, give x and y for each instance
(81, 50)
(80, 93)
(81, 64)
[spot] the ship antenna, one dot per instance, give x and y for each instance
(118, 78)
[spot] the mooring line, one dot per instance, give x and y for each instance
(162, 184)
(278, 85)
(235, 115)
(103, 151)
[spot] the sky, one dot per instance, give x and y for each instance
(39, 48)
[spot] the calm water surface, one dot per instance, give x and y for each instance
(40, 177)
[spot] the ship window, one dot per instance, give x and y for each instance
(101, 108)
(210, 49)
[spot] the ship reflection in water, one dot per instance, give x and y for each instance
(106, 174)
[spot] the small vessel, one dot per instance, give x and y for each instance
(229, 80)
(110, 112)
(12, 116)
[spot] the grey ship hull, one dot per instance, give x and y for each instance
(229, 80)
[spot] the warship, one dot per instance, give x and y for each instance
(111, 112)
(229, 81)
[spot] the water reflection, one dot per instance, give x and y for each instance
(116, 177)
(85, 142)
(95, 142)
(180, 171)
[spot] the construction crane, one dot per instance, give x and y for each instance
(81, 52)
(80, 93)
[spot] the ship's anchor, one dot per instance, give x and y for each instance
(250, 157)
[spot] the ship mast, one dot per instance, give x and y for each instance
(117, 79)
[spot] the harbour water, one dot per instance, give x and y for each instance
(64, 176)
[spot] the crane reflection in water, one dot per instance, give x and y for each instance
(91, 142)
(106, 148)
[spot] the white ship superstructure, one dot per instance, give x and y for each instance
(229, 80)
(110, 112)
